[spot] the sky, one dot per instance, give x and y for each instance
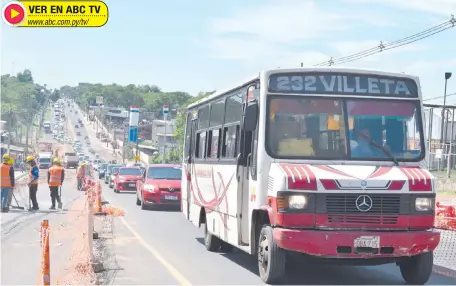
(193, 46)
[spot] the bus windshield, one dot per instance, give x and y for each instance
(348, 129)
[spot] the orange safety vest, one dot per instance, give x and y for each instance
(55, 176)
(31, 176)
(5, 172)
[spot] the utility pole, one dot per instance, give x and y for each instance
(165, 115)
(137, 146)
(124, 145)
(443, 132)
(10, 113)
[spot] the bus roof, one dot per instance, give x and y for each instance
(303, 69)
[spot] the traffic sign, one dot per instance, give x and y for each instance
(13, 13)
(133, 134)
(99, 100)
(137, 158)
(165, 109)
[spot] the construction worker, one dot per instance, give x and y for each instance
(34, 177)
(10, 195)
(7, 180)
(56, 175)
(80, 174)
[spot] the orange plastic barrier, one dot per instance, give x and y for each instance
(45, 261)
(445, 217)
(113, 211)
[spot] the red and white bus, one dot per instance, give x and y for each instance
(316, 161)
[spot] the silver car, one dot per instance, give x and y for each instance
(109, 171)
(114, 171)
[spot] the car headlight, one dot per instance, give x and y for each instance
(149, 188)
(423, 204)
(292, 202)
(297, 202)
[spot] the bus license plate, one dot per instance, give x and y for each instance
(132, 185)
(367, 241)
(171, 198)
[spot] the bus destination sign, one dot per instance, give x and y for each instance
(337, 83)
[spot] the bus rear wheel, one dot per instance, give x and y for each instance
(211, 241)
(271, 258)
(417, 270)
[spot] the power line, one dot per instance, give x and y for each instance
(392, 45)
(437, 97)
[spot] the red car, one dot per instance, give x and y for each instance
(126, 179)
(161, 185)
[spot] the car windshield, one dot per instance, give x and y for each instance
(130, 172)
(110, 168)
(115, 170)
(103, 166)
(166, 173)
(357, 129)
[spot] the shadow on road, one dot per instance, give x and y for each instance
(307, 271)
(164, 209)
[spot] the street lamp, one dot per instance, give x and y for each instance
(444, 115)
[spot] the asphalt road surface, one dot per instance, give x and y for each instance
(20, 247)
(161, 247)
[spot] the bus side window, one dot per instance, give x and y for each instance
(196, 147)
(200, 147)
(253, 162)
(230, 141)
(213, 144)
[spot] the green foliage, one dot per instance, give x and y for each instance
(172, 157)
(149, 97)
(20, 97)
(25, 98)
(55, 95)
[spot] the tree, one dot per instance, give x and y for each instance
(25, 76)
(55, 95)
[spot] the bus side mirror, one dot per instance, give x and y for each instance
(250, 116)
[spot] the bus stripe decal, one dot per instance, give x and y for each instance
(213, 204)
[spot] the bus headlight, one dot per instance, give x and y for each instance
(297, 202)
(423, 204)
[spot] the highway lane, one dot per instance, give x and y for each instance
(182, 245)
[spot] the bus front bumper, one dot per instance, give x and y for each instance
(341, 244)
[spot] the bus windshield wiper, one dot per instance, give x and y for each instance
(385, 150)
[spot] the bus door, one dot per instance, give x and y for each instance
(243, 175)
(189, 154)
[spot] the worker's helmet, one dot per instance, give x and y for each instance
(29, 158)
(6, 157)
(11, 161)
(84, 163)
(57, 160)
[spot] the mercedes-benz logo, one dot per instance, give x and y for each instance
(171, 190)
(364, 203)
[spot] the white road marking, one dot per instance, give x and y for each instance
(171, 269)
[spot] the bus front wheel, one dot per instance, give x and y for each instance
(417, 270)
(271, 258)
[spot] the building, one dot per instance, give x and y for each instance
(158, 134)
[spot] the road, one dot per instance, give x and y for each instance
(20, 246)
(161, 247)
